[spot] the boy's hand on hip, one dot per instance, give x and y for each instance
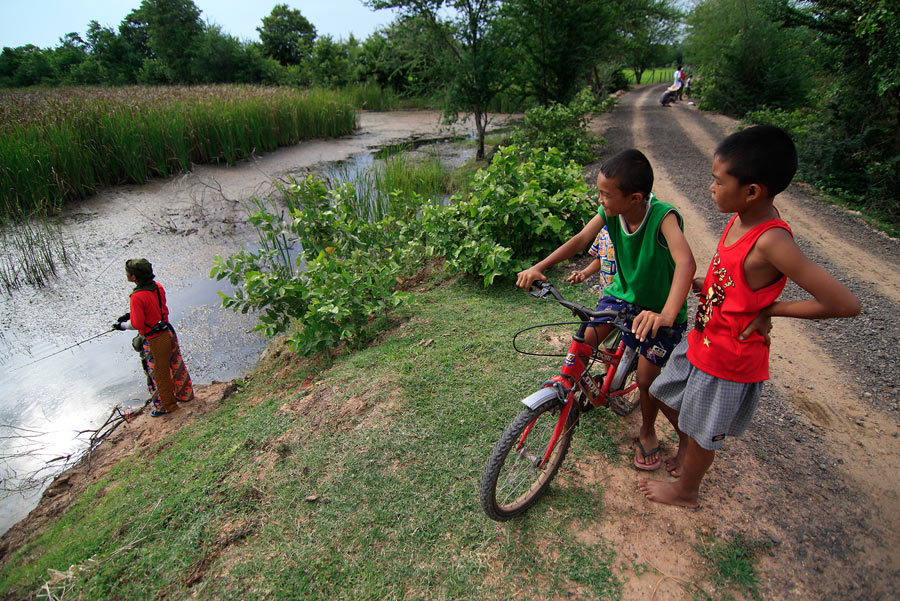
(762, 324)
(528, 277)
(649, 323)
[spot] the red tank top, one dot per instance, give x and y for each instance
(727, 306)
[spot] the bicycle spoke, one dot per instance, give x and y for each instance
(511, 485)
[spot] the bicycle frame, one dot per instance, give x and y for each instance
(574, 373)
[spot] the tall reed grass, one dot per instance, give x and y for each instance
(397, 185)
(31, 253)
(64, 144)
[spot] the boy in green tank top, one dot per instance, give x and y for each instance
(655, 270)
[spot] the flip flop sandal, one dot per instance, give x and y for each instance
(645, 466)
(160, 412)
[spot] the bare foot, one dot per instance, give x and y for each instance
(667, 492)
(675, 465)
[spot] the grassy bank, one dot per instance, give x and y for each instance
(64, 144)
(389, 442)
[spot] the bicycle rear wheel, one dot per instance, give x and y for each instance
(513, 478)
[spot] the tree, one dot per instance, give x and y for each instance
(745, 58)
(174, 30)
(479, 60)
(647, 26)
(557, 42)
(331, 62)
(287, 36)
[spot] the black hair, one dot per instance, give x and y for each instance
(631, 170)
(763, 154)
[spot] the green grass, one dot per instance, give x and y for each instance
(397, 184)
(390, 441)
(651, 75)
(731, 564)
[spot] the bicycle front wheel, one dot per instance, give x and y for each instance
(514, 478)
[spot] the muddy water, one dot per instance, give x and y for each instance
(179, 225)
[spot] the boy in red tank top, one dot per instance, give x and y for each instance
(712, 383)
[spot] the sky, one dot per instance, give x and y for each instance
(43, 22)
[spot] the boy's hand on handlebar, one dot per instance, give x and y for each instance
(648, 323)
(576, 277)
(526, 278)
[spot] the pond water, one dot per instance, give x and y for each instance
(47, 396)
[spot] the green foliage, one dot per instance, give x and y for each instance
(346, 271)
(557, 44)
(470, 46)
(745, 61)
(356, 249)
(174, 30)
(563, 127)
(517, 211)
(650, 26)
(286, 35)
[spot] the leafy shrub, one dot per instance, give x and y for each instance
(588, 103)
(557, 126)
(855, 167)
(348, 269)
(516, 212)
(343, 281)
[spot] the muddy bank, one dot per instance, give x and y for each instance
(179, 224)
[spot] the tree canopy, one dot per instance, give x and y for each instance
(286, 35)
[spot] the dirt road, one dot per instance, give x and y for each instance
(816, 475)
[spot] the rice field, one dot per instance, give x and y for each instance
(64, 144)
(651, 75)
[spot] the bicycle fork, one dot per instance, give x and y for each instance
(563, 387)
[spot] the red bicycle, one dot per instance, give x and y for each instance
(528, 455)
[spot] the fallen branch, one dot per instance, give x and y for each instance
(12, 482)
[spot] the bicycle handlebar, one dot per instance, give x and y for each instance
(547, 289)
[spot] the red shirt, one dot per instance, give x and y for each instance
(148, 309)
(727, 306)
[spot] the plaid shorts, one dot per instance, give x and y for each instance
(656, 350)
(709, 408)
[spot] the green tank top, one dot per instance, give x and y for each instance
(645, 264)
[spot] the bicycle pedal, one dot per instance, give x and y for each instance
(621, 406)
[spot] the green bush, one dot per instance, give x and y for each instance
(557, 126)
(517, 211)
(340, 287)
(346, 275)
(853, 167)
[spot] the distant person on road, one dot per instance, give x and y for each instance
(168, 380)
(655, 266)
(711, 385)
(678, 82)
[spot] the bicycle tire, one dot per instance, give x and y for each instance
(623, 405)
(522, 471)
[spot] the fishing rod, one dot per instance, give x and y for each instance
(67, 348)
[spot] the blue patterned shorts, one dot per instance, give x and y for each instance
(656, 350)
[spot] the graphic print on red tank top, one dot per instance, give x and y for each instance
(727, 306)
